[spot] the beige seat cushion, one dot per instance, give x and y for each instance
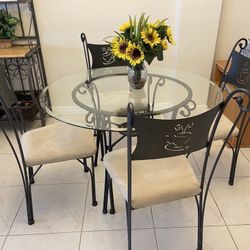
(223, 129)
(57, 142)
(154, 181)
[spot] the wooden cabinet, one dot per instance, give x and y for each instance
(231, 111)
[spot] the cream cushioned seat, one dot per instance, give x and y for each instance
(154, 181)
(57, 142)
(223, 129)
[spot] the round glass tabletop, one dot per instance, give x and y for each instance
(102, 103)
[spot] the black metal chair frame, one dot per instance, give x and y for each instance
(232, 66)
(10, 104)
(202, 139)
(98, 53)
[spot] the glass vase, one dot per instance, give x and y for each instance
(137, 76)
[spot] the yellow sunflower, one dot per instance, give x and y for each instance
(119, 47)
(125, 26)
(164, 44)
(155, 24)
(134, 54)
(170, 35)
(150, 36)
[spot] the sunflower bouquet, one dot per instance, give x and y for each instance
(142, 40)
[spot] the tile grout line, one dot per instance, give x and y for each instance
(244, 156)
(223, 219)
(157, 245)
(83, 218)
(13, 222)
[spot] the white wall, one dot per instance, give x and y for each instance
(194, 22)
(234, 24)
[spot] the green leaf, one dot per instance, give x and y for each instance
(131, 28)
(159, 55)
(149, 58)
(134, 26)
(7, 24)
(139, 28)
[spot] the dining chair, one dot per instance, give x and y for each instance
(49, 144)
(157, 171)
(99, 57)
(236, 74)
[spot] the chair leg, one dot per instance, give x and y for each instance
(28, 198)
(110, 142)
(233, 166)
(86, 170)
(29, 206)
(200, 225)
(102, 134)
(31, 176)
(92, 175)
(98, 141)
(129, 221)
(105, 197)
(111, 196)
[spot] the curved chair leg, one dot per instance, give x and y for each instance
(129, 222)
(92, 175)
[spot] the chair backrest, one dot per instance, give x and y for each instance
(101, 56)
(237, 69)
(166, 138)
(246, 51)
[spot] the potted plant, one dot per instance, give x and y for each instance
(7, 28)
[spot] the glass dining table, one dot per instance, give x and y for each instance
(101, 104)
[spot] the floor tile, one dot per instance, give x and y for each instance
(241, 235)
(246, 152)
(10, 201)
(224, 164)
(215, 238)
(233, 201)
(99, 172)
(117, 240)
(2, 238)
(96, 220)
(57, 208)
(9, 171)
(183, 213)
(62, 172)
(63, 241)
(4, 145)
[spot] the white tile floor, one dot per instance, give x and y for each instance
(65, 219)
